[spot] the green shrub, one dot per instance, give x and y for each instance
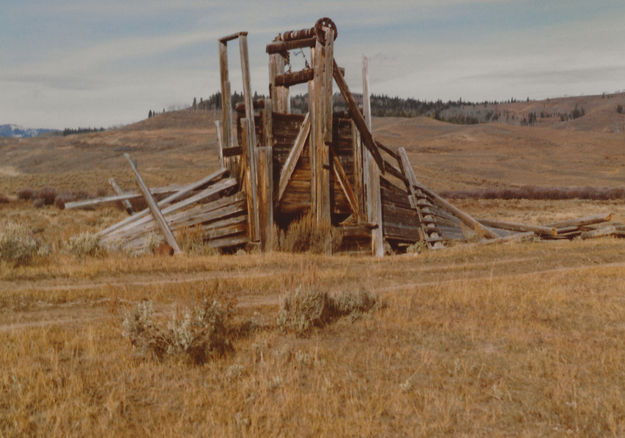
(200, 335)
(84, 244)
(17, 244)
(305, 309)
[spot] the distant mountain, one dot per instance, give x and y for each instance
(16, 131)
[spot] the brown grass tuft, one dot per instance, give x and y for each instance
(304, 235)
(47, 195)
(26, 194)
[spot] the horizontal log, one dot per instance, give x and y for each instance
(599, 232)
(552, 231)
(360, 231)
(298, 77)
(292, 35)
(285, 46)
(232, 241)
(517, 237)
(232, 151)
(231, 37)
(116, 198)
(258, 104)
(399, 232)
(588, 220)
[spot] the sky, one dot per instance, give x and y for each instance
(87, 63)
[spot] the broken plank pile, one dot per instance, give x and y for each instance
(211, 205)
(585, 228)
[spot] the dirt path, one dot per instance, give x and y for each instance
(79, 312)
(176, 278)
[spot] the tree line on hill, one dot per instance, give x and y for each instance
(451, 111)
(381, 105)
(72, 131)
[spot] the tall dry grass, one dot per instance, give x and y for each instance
(536, 355)
(521, 340)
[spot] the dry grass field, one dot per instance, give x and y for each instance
(523, 339)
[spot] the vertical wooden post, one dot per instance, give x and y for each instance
(264, 158)
(312, 142)
(156, 212)
(117, 189)
(359, 188)
(250, 132)
(374, 198)
(220, 145)
(268, 123)
(278, 94)
(226, 103)
(322, 127)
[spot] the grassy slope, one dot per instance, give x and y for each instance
(181, 146)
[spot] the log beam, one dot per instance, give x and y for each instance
(156, 212)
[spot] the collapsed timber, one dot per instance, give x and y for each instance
(277, 166)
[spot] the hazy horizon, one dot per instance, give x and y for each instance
(84, 63)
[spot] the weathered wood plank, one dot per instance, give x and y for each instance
(206, 193)
(588, 220)
(118, 191)
(116, 198)
(267, 123)
(251, 139)
(265, 196)
(168, 200)
(156, 212)
(294, 156)
(517, 237)
(226, 102)
(345, 186)
(551, 231)
(372, 163)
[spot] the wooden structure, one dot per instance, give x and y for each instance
(324, 163)
(278, 166)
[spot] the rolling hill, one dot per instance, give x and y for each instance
(181, 146)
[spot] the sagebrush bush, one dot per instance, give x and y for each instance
(26, 194)
(200, 335)
(47, 195)
(64, 198)
(308, 308)
(304, 235)
(17, 244)
(417, 247)
(85, 244)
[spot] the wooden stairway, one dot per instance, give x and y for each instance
(421, 203)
